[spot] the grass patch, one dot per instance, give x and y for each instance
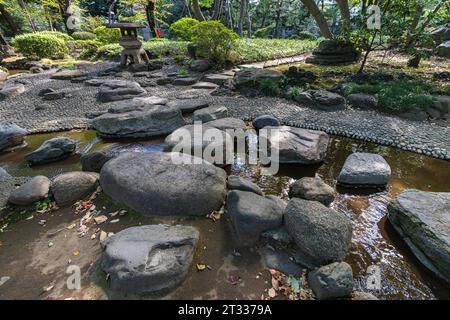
(398, 95)
(254, 50)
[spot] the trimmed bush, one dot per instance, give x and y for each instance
(89, 48)
(182, 29)
(60, 35)
(214, 40)
(304, 35)
(39, 45)
(107, 35)
(84, 35)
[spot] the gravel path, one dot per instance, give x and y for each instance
(69, 113)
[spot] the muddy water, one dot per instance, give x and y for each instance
(374, 241)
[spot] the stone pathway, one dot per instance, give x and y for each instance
(69, 113)
(277, 62)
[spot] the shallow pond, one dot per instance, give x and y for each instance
(374, 241)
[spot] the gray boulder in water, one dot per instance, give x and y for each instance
(52, 150)
(149, 259)
(165, 184)
(11, 135)
(423, 221)
(364, 170)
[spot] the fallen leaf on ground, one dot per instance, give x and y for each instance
(93, 236)
(103, 235)
(75, 253)
(50, 244)
(114, 221)
(3, 280)
(201, 266)
(234, 280)
(123, 213)
(100, 219)
(272, 293)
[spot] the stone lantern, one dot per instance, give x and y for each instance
(132, 53)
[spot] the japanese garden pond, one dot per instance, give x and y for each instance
(374, 241)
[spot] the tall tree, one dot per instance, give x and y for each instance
(314, 10)
(6, 17)
(345, 12)
(242, 14)
(197, 10)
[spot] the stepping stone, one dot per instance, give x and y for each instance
(314, 189)
(68, 74)
(364, 170)
(139, 122)
(184, 81)
(210, 113)
(164, 183)
(332, 281)
(205, 85)
(216, 78)
(119, 90)
(296, 145)
(188, 105)
(265, 121)
(149, 259)
(68, 188)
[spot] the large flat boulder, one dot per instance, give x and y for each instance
(155, 184)
(188, 105)
(238, 183)
(322, 235)
(252, 77)
(423, 221)
(364, 170)
(149, 259)
(443, 49)
(116, 90)
(252, 214)
(210, 113)
(11, 90)
(11, 135)
(148, 122)
(52, 150)
(296, 145)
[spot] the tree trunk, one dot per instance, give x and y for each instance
(197, 11)
(63, 6)
(243, 8)
(345, 12)
(8, 19)
(313, 9)
(217, 9)
(249, 20)
(150, 13)
(278, 19)
(23, 6)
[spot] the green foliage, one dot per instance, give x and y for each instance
(214, 40)
(157, 48)
(60, 35)
(107, 35)
(158, 39)
(269, 87)
(182, 72)
(294, 91)
(304, 35)
(263, 32)
(251, 50)
(89, 48)
(182, 29)
(42, 204)
(39, 45)
(84, 35)
(398, 95)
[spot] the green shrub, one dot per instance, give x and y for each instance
(214, 40)
(158, 39)
(38, 46)
(304, 35)
(60, 35)
(84, 35)
(269, 87)
(263, 32)
(182, 29)
(89, 48)
(107, 35)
